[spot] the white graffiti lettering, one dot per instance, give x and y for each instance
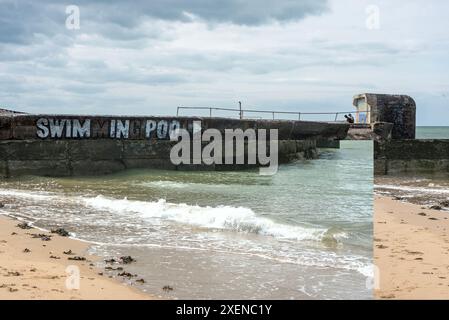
(151, 126)
(57, 127)
(81, 131)
(42, 130)
(114, 128)
(122, 130)
(162, 129)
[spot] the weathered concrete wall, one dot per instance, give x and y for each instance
(328, 143)
(102, 156)
(360, 132)
(59, 145)
(20, 127)
(374, 131)
(6, 112)
(397, 109)
(411, 156)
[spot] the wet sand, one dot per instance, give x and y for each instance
(31, 268)
(411, 250)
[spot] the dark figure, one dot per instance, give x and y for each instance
(349, 118)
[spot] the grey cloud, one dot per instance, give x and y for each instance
(93, 72)
(21, 20)
(247, 12)
(259, 63)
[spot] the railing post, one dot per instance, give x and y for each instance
(273, 115)
(210, 112)
(299, 115)
(336, 116)
(241, 112)
(177, 111)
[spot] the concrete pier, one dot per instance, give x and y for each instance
(67, 145)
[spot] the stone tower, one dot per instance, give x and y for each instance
(400, 110)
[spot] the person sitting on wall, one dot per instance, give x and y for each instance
(349, 118)
(352, 118)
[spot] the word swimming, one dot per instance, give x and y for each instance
(105, 128)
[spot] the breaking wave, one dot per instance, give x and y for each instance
(221, 217)
(236, 219)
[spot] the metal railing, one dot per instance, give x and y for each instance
(272, 112)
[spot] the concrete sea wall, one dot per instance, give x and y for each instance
(102, 156)
(373, 131)
(411, 157)
(63, 145)
(21, 127)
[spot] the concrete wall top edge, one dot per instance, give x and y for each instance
(83, 116)
(48, 126)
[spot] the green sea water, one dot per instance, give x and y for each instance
(432, 132)
(304, 233)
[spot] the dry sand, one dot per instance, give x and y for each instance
(411, 250)
(35, 275)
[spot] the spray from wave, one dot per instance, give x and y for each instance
(221, 217)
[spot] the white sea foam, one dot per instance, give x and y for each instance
(413, 189)
(366, 269)
(37, 195)
(221, 217)
(165, 184)
(307, 257)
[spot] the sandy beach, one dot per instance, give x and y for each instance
(411, 250)
(31, 268)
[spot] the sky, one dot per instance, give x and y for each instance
(149, 57)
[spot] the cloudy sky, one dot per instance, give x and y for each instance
(152, 56)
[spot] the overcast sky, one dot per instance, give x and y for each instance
(152, 56)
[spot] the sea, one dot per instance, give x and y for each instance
(423, 189)
(304, 233)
